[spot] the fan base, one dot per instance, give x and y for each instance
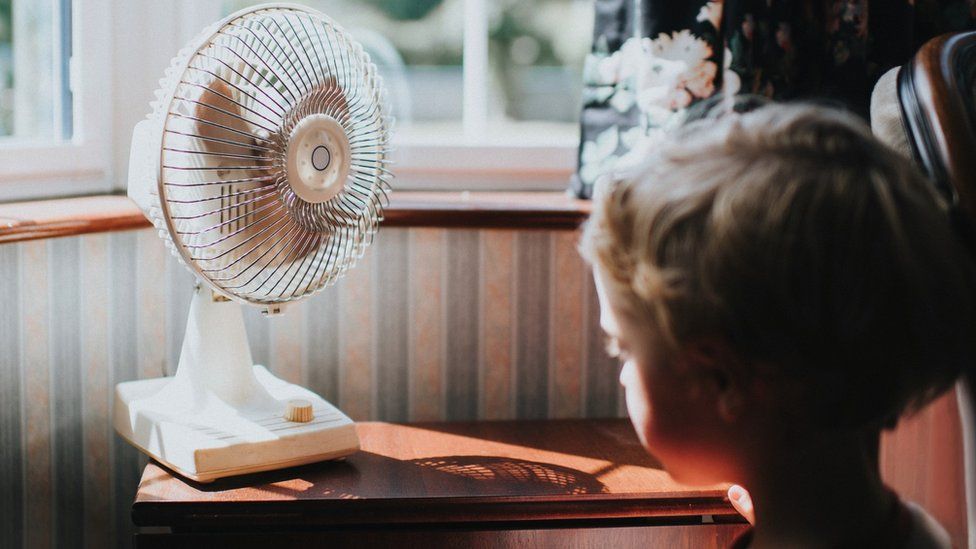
(212, 440)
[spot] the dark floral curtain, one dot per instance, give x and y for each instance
(652, 59)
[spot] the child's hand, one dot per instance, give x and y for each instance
(742, 502)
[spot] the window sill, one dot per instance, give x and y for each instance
(20, 221)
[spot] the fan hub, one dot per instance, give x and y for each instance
(321, 158)
(318, 158)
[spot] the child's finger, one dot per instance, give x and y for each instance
(742, 502)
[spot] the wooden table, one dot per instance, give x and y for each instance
(580, 483)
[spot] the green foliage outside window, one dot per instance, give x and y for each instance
(6, 67)
(406, 10)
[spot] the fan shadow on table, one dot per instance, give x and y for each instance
(367, 475)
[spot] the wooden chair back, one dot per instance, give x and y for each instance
(937, 93)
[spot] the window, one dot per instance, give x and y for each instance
(535, 52)
(486, 93)
(52, 101)
(36, 93)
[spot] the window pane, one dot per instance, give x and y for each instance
(6, 69)
(35, 103)
(536, 52)
(417, 45)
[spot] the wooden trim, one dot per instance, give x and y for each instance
(481, 210)
(566, 511)
(20, 221)
(636, 534)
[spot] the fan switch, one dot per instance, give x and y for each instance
(299, 411)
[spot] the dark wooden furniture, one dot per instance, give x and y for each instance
(554, 483)
(937, 99)
(937, 92)
(20, 221)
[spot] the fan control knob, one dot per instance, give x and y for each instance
(299, 410)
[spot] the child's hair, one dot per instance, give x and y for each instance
(812, 249)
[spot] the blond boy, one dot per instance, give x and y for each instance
(780, 287)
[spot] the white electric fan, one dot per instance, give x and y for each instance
(263, 166)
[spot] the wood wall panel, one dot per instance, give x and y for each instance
(96, 389)
(565, 344)
(460, 298)
(12, 474)
(426, 324)
(496, 264)
(356, 306)
(923, 461)
(532, 295)
(126, 462)
(67, 467)
(391, 328)
(258, 335)
(286, 343)
(179, 293)
(151, 257)
(600, 371)
(321, 368)
(39, 474)
(433, 324)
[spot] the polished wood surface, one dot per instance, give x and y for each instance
(510, 210)
(20, 221)
(503, 472)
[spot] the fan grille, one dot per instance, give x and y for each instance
(224, 190)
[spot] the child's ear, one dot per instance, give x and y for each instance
(722, 375)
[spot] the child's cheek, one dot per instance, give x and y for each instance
(654, 419)
(638, 400)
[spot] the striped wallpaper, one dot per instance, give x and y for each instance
(433, 324)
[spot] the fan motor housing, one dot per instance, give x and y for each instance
(318, 158)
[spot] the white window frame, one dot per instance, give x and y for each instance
(89, 163)
(82, 163)
(471, 162)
